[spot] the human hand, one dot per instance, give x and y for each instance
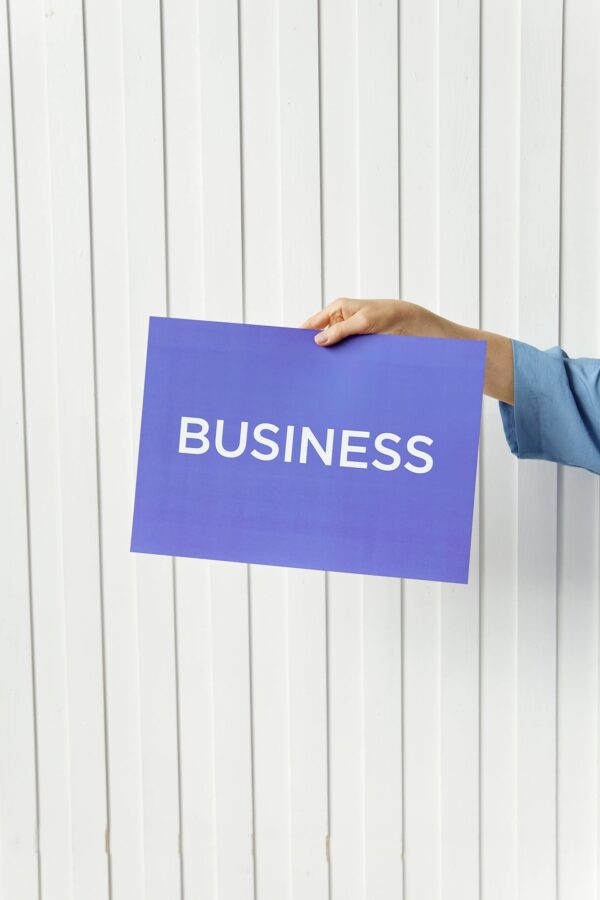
(344, 317)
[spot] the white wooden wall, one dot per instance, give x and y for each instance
(177, 728)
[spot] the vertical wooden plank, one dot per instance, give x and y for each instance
(340, 278)
(182, 83)
(540, 119)
(270, 698)
(308, 734)
(360, 120)
(578, 500)
(499, 305)
(142, 57)
(281, 204)
(18, 782)
(420, 603)
(379, 276)
(261, 161)
(183, 174)
(108, 204)
(43, 461)
(223, 299)
(459, 300)
(65, 74)
(263, 303)
(205, 278)
(232, 723)
(219, 51)
(298, 64)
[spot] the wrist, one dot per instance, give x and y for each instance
(425, 323)
(499, 381)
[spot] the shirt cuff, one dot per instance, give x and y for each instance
(536, 379)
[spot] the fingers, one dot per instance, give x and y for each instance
(327, 315)
(335, 333)
(318, 320)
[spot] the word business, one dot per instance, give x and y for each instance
(194, 438)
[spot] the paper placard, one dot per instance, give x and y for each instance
(259, 446)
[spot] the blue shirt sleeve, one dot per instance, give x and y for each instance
(556, 413)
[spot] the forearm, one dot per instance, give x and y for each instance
(499, 377)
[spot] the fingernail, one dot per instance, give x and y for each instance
(321, 338)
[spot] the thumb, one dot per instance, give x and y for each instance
(335, 333)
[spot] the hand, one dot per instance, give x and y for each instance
(344, 317)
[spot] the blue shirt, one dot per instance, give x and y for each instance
(556, 414)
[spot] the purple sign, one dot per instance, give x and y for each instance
(259, 446)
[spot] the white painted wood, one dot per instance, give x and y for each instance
(421, 600)
(43, 453)
(378, 218)
(19, 869)
(108, 212)
(232, 716)
(183, 178)
(263, 303)
(340, 278)
(500, 26)
(539, 227)
(203, 176)
(458, 199)
(270, 732)
(73, 304)
(299, 149)
(146, 245)
(578, 499)
(308, 733)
